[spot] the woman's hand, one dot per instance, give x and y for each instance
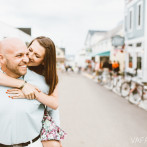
(15, 94)
(29, 91)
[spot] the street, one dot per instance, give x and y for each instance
(93, 116)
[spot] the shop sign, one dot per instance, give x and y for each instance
(117, 41)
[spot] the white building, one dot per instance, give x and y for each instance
(92, 39)
(80, 58)
(9, 31)
(60, 54)
(110, 46)
(136, 37)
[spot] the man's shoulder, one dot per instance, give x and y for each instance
(36, 80)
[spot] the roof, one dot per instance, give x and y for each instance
(113, 32)
(10, 31)
(91, 32)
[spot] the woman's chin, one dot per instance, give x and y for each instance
(31, 64)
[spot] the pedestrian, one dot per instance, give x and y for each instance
(42, 58)
(97, 67)
(79, 69)
(105, 64)
(105, 67)
(110, 66)
(115, 66)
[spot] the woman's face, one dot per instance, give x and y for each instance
(36, 54)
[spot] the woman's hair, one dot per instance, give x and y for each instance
(48, 68)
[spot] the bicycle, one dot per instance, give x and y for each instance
(126, 85)
(136, 92)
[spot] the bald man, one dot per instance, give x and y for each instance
(13, 57)
(20, 119)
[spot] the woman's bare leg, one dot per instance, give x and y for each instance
(51, 143)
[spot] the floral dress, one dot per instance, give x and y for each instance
(50, 131)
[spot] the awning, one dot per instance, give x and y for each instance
(107, 53)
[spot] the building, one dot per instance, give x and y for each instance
(110, 46)
(80, 58)
(60, 55)
(26, 30)
(93, 36)
(104, 45)
(9, 31)
(136, 38)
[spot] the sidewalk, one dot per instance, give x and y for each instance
(142, 104)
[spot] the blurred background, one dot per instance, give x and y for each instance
(101, 49)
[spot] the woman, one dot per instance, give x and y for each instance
(42, 60)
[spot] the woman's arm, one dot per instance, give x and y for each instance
(29, 91)
(10, 82)
(48, 100)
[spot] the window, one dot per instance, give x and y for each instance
(138, 44)
(58, 53)
(139, 63)
(126, 23)
(130, 45)
(130, 61)
(130, 26)
(131, 19)
(139, 15)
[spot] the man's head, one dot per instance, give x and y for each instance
(13, 57)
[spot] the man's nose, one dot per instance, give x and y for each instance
(26, 59)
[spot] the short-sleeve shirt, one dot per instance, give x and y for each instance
(21, 119)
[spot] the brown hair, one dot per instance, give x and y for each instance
(48, 69)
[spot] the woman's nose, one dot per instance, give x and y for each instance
(30, 55)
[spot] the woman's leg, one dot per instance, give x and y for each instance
(51, 143)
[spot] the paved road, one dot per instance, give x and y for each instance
(96, 117)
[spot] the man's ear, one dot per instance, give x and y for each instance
(1, 59)
(1, 56)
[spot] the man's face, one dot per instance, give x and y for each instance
(15, 60)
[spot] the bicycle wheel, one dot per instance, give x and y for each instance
(109, 84)
(118, 86)
(135, 99)
(140, 90)
(125, 89)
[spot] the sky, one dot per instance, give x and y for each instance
(66, 22)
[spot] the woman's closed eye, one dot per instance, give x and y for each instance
(37, 56)
(19, 55)
(30, 50)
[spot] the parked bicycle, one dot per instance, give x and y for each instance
(136, 91)
(126, 85)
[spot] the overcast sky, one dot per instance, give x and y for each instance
(66, 22)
